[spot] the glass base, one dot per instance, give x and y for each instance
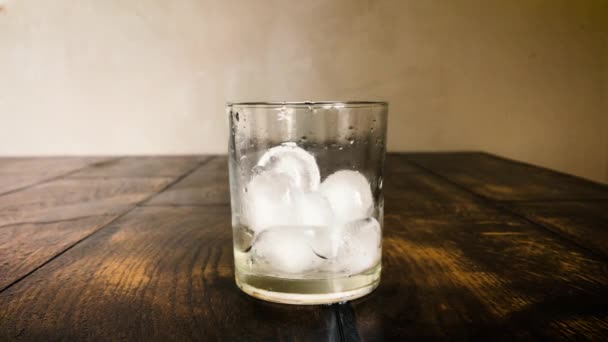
(308, 291)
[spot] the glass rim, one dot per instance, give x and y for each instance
(307, 103)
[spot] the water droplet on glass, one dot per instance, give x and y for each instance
(371, 130)
(304, 138)
(245, 189)
(340, 148)
(380, 183)
(351, 127)
(236, 116)
(351, 141)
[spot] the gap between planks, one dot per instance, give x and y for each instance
(61, 176)
(127, 211)
(347, 322)
(501, 206)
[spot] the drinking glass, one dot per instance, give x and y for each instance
(306, 197)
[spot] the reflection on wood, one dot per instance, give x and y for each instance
(157, 273)
(475, 247)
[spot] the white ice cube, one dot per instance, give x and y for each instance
(285, 250)
(326, 243)
(349, 195)
(312, 209)
(360, 248)
(294, 161)
(268, 201)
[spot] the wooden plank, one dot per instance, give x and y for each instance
(157, 166)
(25, 247)
(71, 198)
(503, 180)
(397, 163)
(583, 222)
(423, 193)
(155, 274)
(17, 173)
(482, 278)
(207, 185)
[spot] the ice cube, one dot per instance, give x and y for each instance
(326, 242)
(243, 238)
(294, 161)
(268, 201)
(349, 195)
(312, 209)
(360, 248)
(285, 250)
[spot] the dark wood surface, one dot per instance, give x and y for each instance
(208, 185)
(18, 173)
(139, 248)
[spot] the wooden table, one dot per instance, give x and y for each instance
(139, 248)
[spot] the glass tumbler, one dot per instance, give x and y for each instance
(306, 197)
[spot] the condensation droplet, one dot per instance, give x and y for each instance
(236, 116)
(380, 183)
(340, 148)
(351, 127)
(351, 141)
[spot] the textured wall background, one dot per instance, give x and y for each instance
(526, 79)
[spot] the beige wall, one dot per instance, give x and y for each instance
(527, 79)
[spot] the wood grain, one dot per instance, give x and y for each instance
(485, 279)
(585, 222)
(475, 247)
(397, 163)
(426, 194)
(207, 185)
(503, 180)
(71, 198)
(155, 274)
(24, 247)
(157, 166)
(17, 173)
